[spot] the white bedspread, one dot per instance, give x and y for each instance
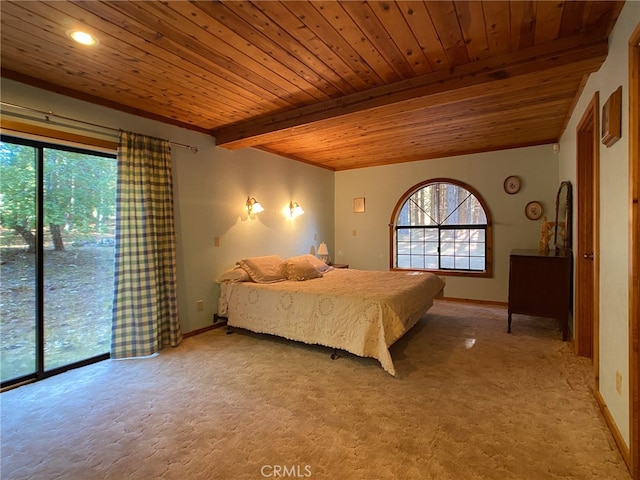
(362, 312)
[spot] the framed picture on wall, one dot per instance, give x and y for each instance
(611, 116)
(358, 205)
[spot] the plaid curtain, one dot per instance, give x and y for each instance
(145, 312)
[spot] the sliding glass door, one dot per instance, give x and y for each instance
(18, 303)
(57, 212)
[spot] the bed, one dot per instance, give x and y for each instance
(360, 311)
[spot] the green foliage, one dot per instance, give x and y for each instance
(17, 186)
(79, 189)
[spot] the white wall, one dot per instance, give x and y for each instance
(383, 186)
(210, 190)
(614, 217)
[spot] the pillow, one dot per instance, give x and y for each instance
(263, 269)
(315, 261)
(234, 275)
(299, 269)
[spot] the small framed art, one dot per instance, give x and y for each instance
(358, 205)
(512, 184)
(611, 118)
(533, 210)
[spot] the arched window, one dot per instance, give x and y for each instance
(442, 225)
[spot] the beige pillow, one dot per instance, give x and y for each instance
(263, 269)
(299, 269)
(315, 261)
(234, 275)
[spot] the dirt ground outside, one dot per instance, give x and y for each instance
(78, 294)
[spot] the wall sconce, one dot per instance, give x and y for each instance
(253, 206)
(323, 252)
(295, 210)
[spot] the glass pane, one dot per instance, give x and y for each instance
(447, 235)
(403, 216)
(476, 249)
(462, 249)
(462, 235)
(431, 234)
(431, 248)
(417, 249)
(462, 263)
(403, 234)
(447, 248)
(18, 261)
(431, 262)
(446, 262)
(417, 235)
(404, 261)
(417, 261)
(404, 248)
(477, 235)
(476, 263)
(79, 211)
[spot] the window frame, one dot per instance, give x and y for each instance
(486, 273)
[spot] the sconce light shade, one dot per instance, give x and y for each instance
(253, 206)
(323, 251)
(295, 209)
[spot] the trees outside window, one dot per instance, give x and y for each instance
(442, 225)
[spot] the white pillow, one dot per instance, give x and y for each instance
(299, 269)
(315, 261)
(263, 269)
(234, 275)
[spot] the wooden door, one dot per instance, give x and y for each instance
(634, 249)
(586, 315)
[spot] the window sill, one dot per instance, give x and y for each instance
(452, 273)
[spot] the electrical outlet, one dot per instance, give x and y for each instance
(200, 305)
(618, 382)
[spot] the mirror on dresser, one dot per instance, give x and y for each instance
(562, 235)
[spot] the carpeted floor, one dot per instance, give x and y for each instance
(469, 402)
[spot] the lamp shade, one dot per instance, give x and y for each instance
(253, 206)
(323, 250)
(295, 210)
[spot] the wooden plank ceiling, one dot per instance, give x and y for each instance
(337, 84)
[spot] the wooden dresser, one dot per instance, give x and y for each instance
(540, 285)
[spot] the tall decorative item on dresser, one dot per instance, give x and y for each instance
(546, 231)
(540, 280)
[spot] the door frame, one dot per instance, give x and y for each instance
(634, 256)
(586, 332)
(40, 371)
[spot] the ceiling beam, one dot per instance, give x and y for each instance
(432, 89)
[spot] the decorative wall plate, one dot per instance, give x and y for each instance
(533, 210)
(512, 184)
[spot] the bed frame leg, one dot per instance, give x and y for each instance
(335, 355)
(229, 331)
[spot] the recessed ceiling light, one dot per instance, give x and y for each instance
(82, 37)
